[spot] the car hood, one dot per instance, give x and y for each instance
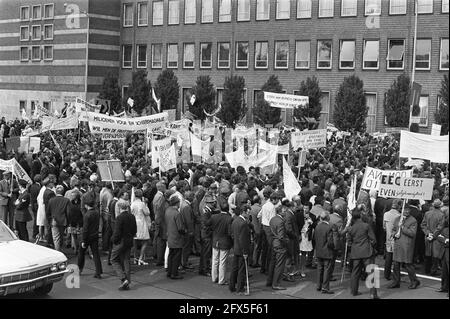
(19, 255)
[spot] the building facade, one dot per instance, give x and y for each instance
(293, 39)
(43, 51)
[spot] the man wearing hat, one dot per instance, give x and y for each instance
(176, 229)
(433, 249)
(388, 225)
(207, 207)
(404, 233)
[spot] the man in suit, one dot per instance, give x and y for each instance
(189, 220)
(293, 235)
(240, 233)
(257, 229)
(34, 192)
(176, 230)
(337, 225)
(433, 249)
(361, 238)
(159, 207)
(91, 223)
(22, 213)
(441, 236)
(279, 249)
(105, 197)
(404, 233)
(124, 231)
(323, 237)
(56, 211)
(221, 243)
(388, 225)
(5, 194)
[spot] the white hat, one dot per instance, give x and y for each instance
(128, 174)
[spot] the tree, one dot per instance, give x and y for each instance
(139, 91)
(111, 91)
(311, 89)
(263, 112)
(350, 109)
(205, 97)
(396, 103)
(167, 89)
(441, 115)
(233, 103)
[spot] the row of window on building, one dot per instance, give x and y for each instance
(371, 56)
(283, 10)
(36, 33)
(36, 53)
(38, 12)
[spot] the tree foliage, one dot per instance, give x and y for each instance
(167, 89)
(263, 113)
(310, 88)
(139, 91)
(205, 97)
(396, 103)
(111, 91)
(234, 107)
(350, 109)
(441, 115)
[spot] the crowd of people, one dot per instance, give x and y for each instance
(214, 211)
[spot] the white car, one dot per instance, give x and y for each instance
(26, 266)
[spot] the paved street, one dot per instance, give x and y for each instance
(151, 282)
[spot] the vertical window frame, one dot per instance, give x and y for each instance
(140, 23)
(237, 55)
(138, 61)
(52, 5)
(184, 55)
(123, 56)
(124, 18)
(201, 56)
(296, 55)
(29, 13)
(267, 56)
(218, 56)
(331, 55)
(363, 51)
(279, 42)
(161, 53)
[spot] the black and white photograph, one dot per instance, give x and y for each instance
(225, 156)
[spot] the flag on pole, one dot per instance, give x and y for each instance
(130, 102)
(291, 185)
(157, 101)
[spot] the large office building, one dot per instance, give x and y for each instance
(43, 47)
(293, 39)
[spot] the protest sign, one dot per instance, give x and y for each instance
(435, 129)
(309, 139)
(22, 144)
(168, 159)
(13, 166)
(287, 101)
(280, 149)
(157, 147)
(302, 159)
(110, 171)
(372, 177)
(406, 187)
(101, 123)
(415, 145)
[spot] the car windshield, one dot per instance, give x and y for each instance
(5, 233)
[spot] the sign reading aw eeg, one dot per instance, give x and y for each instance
(406, 187)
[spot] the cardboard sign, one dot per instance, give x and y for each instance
(372, 177)
(113, 136)
(285, 101)
(302, 159)
(309, 139)
(435, 130)
(406, 187)
(110, 171)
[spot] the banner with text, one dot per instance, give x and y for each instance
(101, 123)
(285, 101)
(406, 187)
(372, 177)
(424, 146)
(309, 139)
